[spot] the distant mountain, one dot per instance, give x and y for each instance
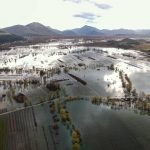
(32, 29)
(92, 31)
(3, 32)
(55, 30)
(69, 33)
(19, 30)
(8, 38)
(143, 32)
(36, 29)
(87, 31)
(118, 32)
(83, 31)
(40, 29)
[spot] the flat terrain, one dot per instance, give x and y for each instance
(101, 92)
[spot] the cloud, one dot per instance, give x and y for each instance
(89, 17)
(74, 1)
(99, 5)
(102, 6)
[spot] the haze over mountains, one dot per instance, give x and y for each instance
(36, 29)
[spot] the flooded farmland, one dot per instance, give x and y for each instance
(105, 127)
(72, 97)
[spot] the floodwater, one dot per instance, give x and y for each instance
(103, 128)
(141, 81)
(99, 82)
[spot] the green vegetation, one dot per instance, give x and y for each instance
(66, 70)
(122, 79)
(129, 83)
(111, 67)
(96, 100)
(53, 86)
(75, 133)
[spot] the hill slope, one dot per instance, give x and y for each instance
(32, 29)
(36, 29)
(6, 37)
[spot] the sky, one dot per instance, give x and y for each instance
(68, 14)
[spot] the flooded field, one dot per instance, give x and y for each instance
(61, 96)
(105, 128)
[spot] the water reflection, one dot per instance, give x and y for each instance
(110, 126)
(132, 104)
(114, 84)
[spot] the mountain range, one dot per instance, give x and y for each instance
(36, 29)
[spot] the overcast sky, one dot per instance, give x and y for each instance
(67, 14)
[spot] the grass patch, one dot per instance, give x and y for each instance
(144, 47)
